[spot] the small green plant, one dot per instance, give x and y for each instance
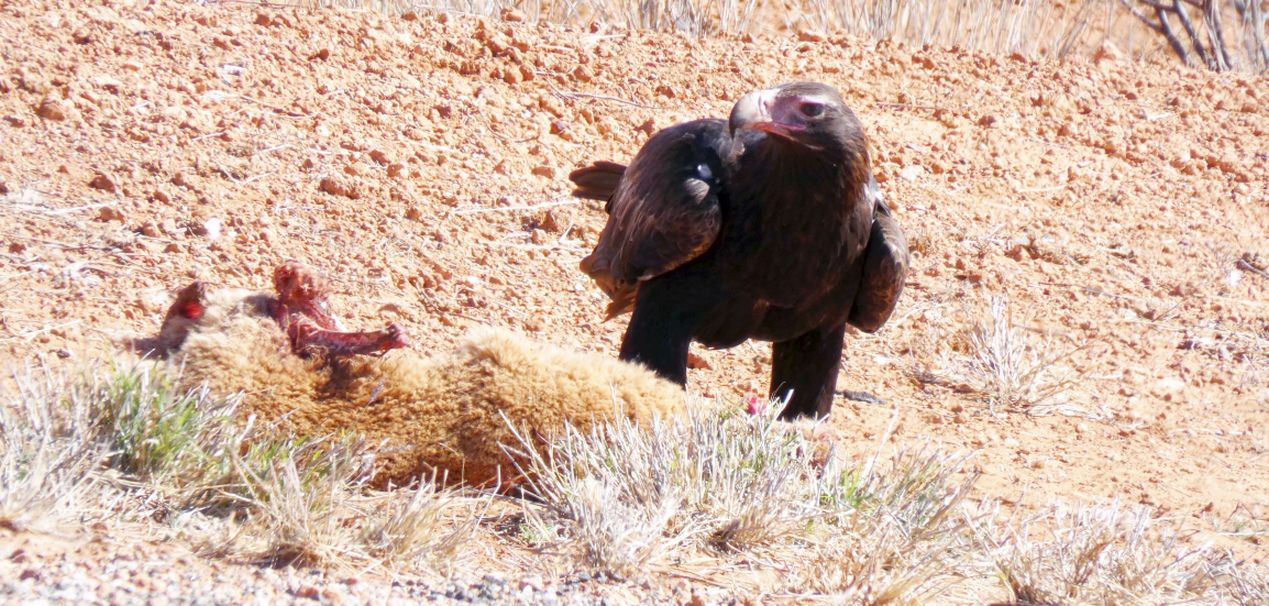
(283, 498)
(152, 426)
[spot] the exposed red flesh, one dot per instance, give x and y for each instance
(188, 303)
(303, 312)
(306, 338)
(301, 291)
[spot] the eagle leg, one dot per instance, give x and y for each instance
(667, 313)
(807, 366)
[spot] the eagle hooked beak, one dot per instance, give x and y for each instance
(762, 111)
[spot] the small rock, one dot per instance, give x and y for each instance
(1170, 384)
(544, 171)
(333, 597)
(212, 228)
(108, 83)
(862, 396)
(103, 182)
(808, 36)
(512, 15)
(910, 173)
(333, 187)
(109, 213)
(1107, 50)
(51, 109)
(696, 362)
(549, 222)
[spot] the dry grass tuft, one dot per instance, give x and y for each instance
(1004, 365)
(744, 500)
(48, 452)
(895, 534)
(423, 522)
(1033, 27)
(1206, 36)
(1230, 37)
(624, 499)
(237, 487)
(696, 17)
(1008, 368)
(1111, 555)
(1092, 555)
(301, 508)
(1237, 583)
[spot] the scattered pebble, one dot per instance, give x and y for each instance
(103, 182)
(51, 109)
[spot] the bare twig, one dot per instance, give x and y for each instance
(1211, 44)
(1216, 34)
(1178, 8)
(574, 95)
(477, 211)
(1256, 23)
(1134, 11)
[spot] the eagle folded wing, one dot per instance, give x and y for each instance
(664, 213)
(885, 267)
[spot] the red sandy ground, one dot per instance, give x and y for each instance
(421, 161)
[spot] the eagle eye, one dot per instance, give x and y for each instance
(811, 109)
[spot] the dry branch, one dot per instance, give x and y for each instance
(1210, 41)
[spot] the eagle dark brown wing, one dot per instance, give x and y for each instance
(665, 210)
(885, 268)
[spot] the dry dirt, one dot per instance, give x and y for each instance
(421, 160)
